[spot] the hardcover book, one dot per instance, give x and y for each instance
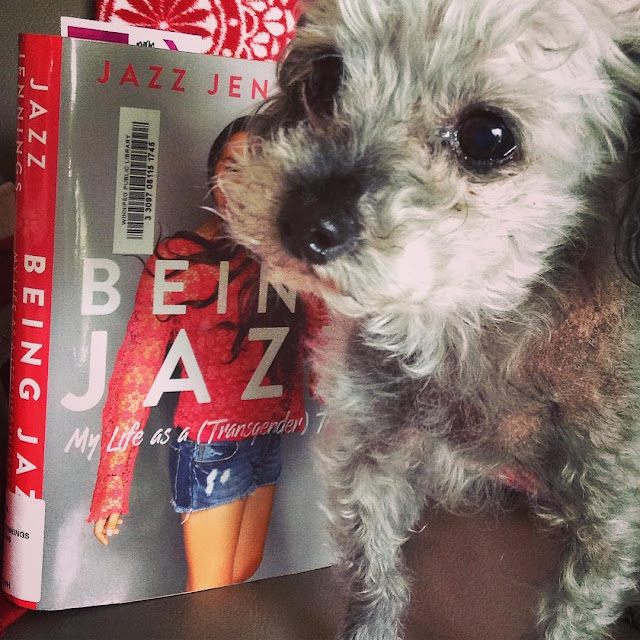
(162, 429)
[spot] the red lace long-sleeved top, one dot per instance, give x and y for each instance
(226, 416)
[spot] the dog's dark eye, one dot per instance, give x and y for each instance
(323, 83)
(484, 140)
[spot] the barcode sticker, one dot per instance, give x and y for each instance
(136, 181)
(23, 547)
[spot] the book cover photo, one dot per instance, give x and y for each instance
(162, 428)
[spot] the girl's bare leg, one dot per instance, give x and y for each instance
(211, 541)
(253, 533)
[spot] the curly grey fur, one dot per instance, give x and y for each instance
(484, 336)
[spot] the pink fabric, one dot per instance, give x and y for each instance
(249, 29)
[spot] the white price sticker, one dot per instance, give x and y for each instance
(23, 547)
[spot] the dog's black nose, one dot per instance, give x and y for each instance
(319, 222)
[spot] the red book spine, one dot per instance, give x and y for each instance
(39, 71)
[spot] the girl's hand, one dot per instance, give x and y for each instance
(104, 528)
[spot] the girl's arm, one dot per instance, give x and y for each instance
(137, 363)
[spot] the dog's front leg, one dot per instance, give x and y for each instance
(599, 567)
(373, 506)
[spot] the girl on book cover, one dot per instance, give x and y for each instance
(224, 456)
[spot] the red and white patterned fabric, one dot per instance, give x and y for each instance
(249, 29)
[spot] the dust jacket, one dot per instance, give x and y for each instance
(159, 390)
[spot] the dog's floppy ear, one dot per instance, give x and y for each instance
(628, 232)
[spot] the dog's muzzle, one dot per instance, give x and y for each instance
(319, 222)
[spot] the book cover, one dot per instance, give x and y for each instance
(162, 430)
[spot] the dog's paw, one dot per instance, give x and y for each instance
(368, 633)
(365, 635)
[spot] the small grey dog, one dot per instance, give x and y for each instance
(460, 181)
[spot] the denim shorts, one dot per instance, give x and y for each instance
(209, 475)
